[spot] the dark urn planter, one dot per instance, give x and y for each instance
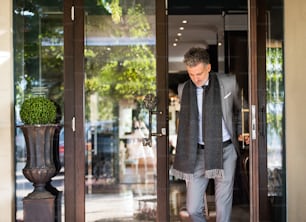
(40, 165)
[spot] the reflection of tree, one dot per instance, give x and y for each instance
(113, 7)
(275, 89)
(122, 72)
(38, 49)
(114, 72)
(275, 101)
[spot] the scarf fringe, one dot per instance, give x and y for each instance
(214, 173)
(211, 174)
(181, 175)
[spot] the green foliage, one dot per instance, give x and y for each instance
(137, 22)
(38, 110)
(122, 72)
(275, 89)
(130, 72)
(131, 75)
(116, 11)
(112, 7)
(114, 72)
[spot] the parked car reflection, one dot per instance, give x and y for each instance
(61, 147)
(101, 142)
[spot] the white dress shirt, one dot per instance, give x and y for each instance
(225, 134)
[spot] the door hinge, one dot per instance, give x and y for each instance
(73, 124)
(72, 13)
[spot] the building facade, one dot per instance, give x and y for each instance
(294, 66)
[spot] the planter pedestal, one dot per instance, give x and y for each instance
(39, 209)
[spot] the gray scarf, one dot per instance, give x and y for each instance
(186, 150)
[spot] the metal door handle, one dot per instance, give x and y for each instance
(150, 103)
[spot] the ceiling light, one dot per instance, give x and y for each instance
(174, 44)
(181, 28)
(179, 34)
(184, 21)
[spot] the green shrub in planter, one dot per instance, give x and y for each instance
(38, 110)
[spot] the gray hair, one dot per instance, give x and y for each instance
(196, 55)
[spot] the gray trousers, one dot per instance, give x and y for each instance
(223, 188)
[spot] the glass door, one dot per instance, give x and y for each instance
(120, 70)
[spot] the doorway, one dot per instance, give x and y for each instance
(223, 31)
(240, 46)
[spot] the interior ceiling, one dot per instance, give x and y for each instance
(200, 7)
(206, 22)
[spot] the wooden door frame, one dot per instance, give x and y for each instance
(74, 110)
(259, 206)
(162, 106)
(254, 174)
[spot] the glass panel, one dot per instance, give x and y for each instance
(275, 111)
(275, 103)
(120, 71)
(38, 64)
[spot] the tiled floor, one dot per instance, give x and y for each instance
(105, 203)
(239, 214)
(107, 206)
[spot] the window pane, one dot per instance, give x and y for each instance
(275, 111)
(38, 64)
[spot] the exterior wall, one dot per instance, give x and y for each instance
(6, 113)
(295, 90)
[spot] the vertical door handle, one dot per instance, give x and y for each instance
(150, 103)
(243, 112)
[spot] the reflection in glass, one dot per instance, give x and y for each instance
(38, 70)
(120, 70)
(275, 106)
(275, 111)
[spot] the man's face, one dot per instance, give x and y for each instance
(199, 73)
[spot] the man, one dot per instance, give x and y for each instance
(207, 144)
